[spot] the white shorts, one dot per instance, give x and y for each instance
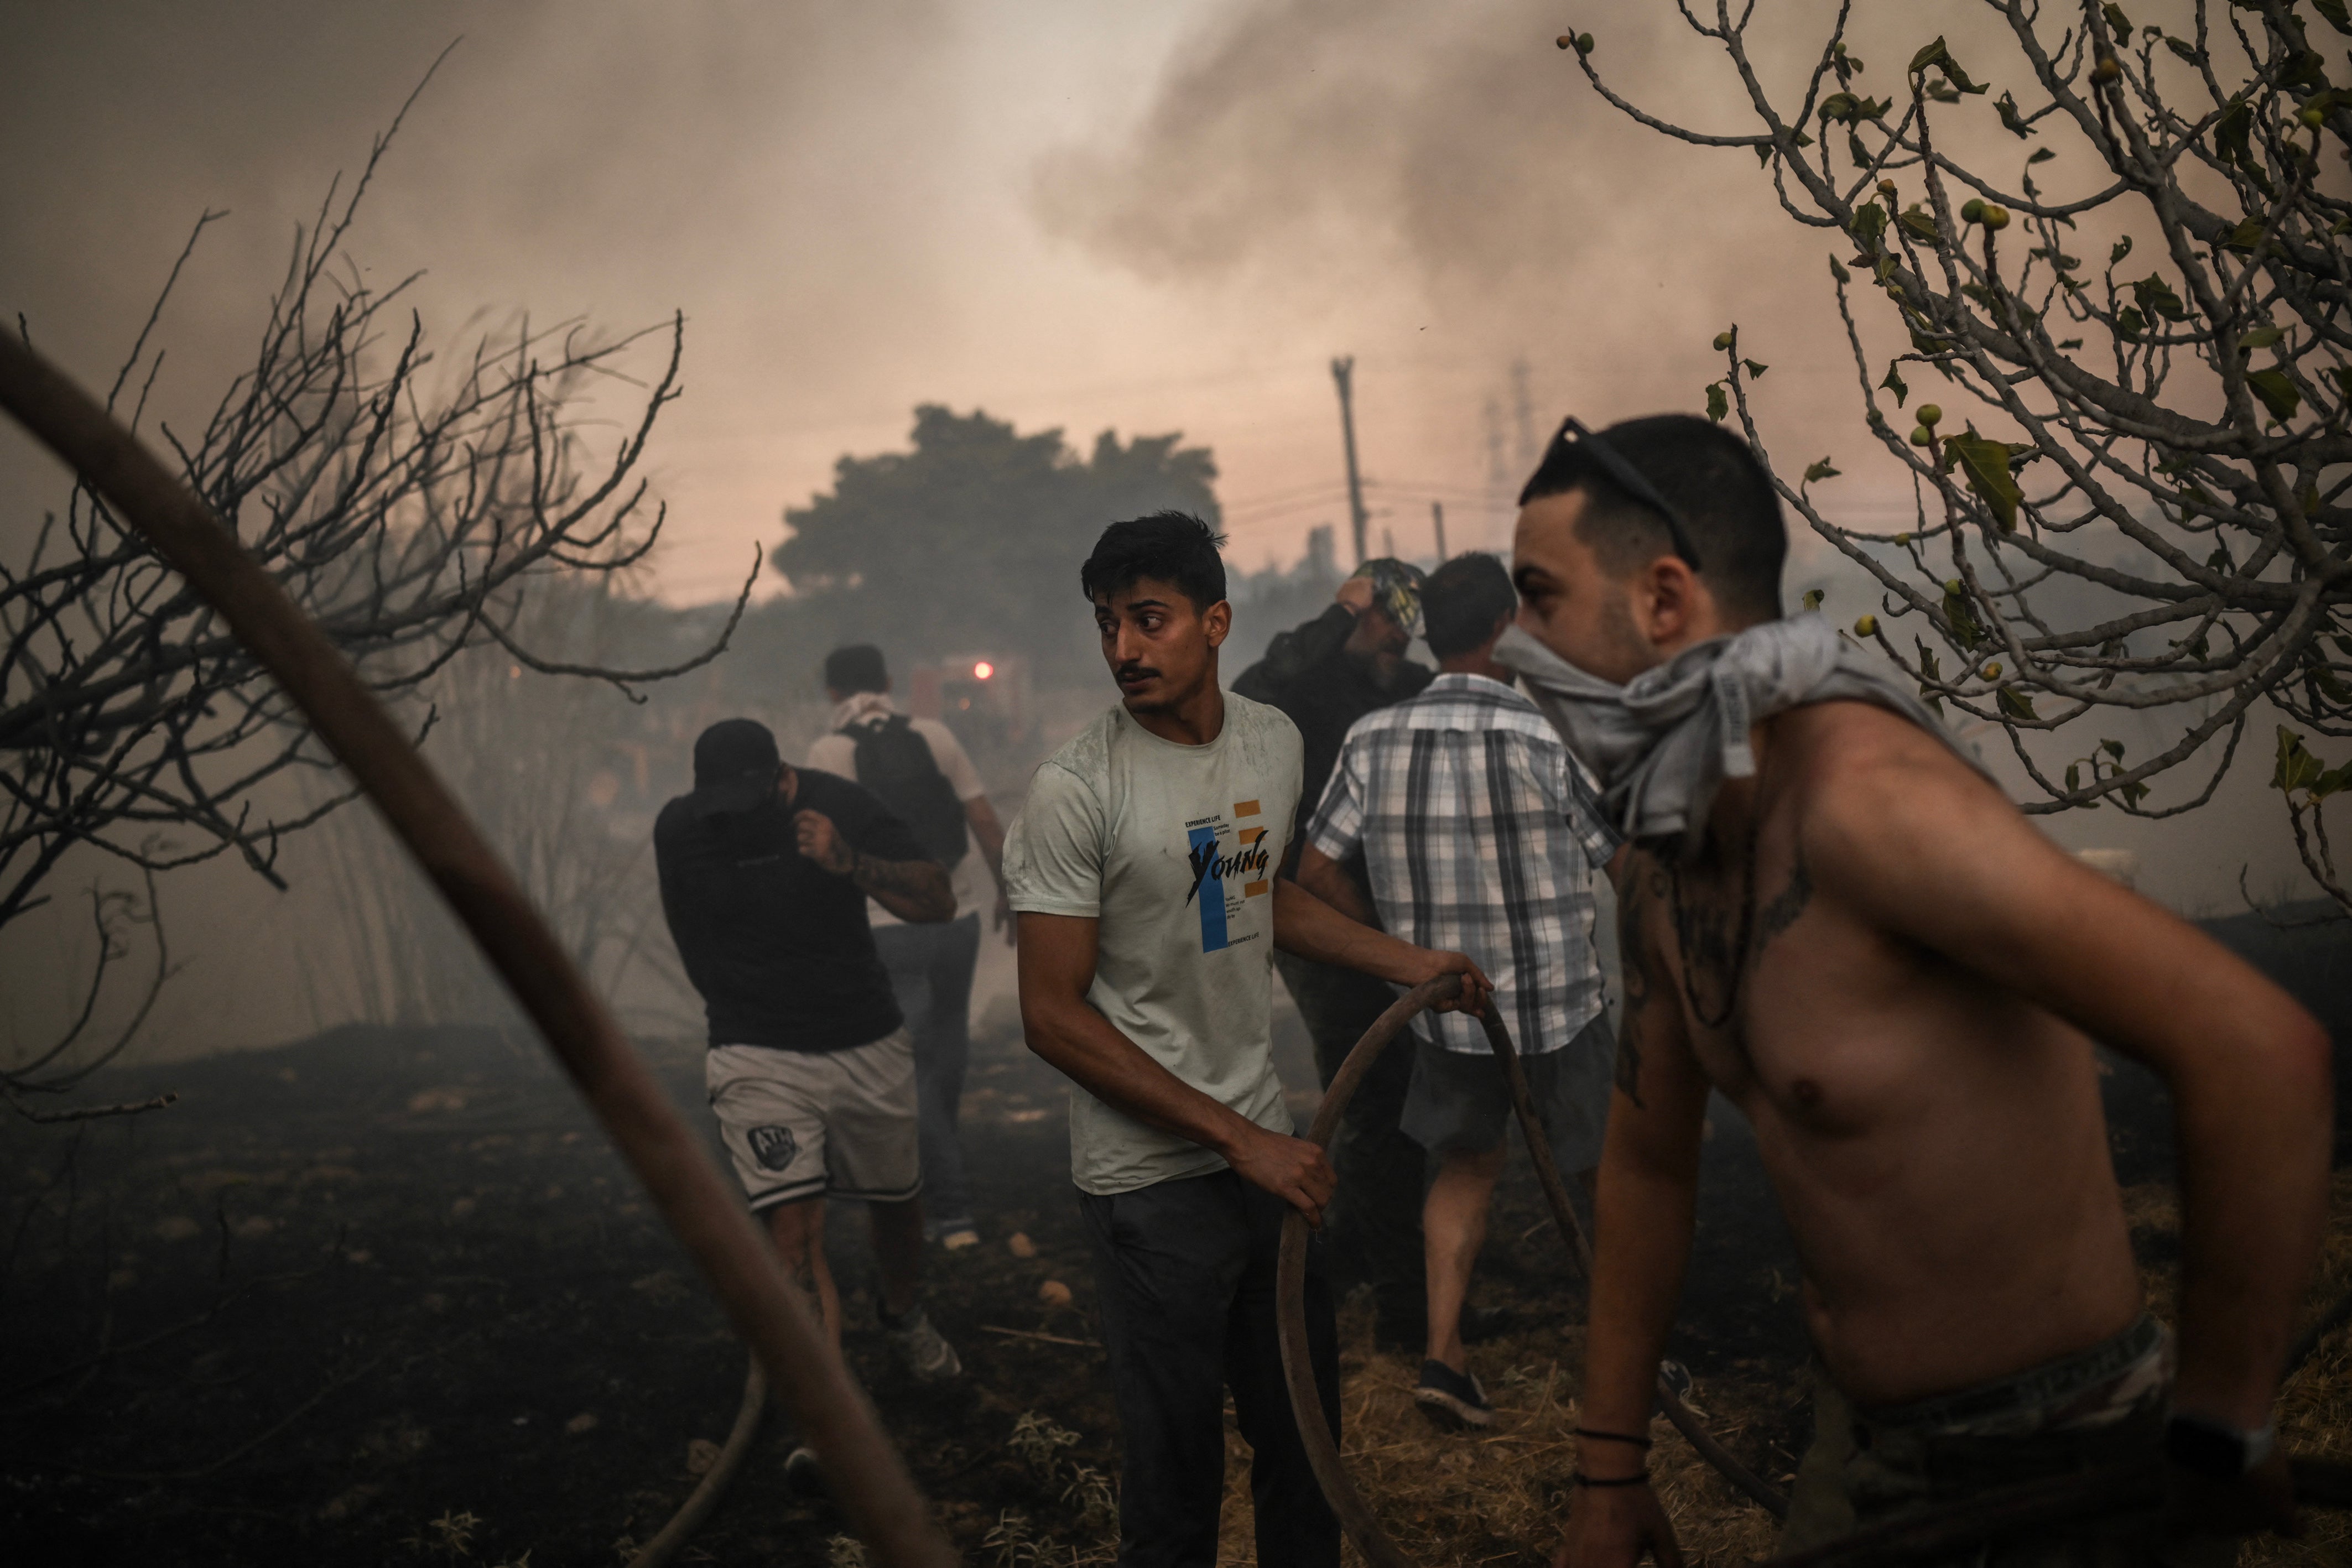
(833, 1124)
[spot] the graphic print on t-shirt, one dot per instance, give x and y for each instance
(1229, 867)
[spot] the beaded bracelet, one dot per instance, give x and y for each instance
(1613, 1437)
(1579, 1478)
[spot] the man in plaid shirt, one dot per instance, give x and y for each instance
(1482, 834)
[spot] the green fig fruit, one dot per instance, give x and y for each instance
(1722, 341)
(1866, 627)
(1972, 210)
(1929, 413)
(1921, 436)
(1994, 217)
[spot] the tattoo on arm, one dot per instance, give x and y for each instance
(1633, 907)
(1788, 904)
(906, 879)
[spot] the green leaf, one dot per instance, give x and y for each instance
(2015, 704)
(1841, 106)
(1940, 58)
(2246, 236)
(2261, 338)
(2232, 134)
(2278, 393)
(1812, 599)
(1869, 224)
(2296, 768)
(2334, 10)
(1838, 271)
(2156, 297)
(1718, 403)
(1962, 616)
(2129, 322)
(2187, 51)
(1819, 471)
(2072, 343)
(1984, 463)
(2116, 20)
(1755, 371)
(1920, 224)
(2074, 777)
(2006, 107)
(2041, 155)
(1894, 383)
(2122, 249)
(2114, 748)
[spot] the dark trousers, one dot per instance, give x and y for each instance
(1374, 1221)
(1185, 1271)
(930, 972)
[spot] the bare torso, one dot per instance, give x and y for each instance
(1936, 1141)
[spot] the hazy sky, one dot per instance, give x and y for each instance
(1149, 217)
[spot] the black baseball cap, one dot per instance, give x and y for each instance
(735, 765)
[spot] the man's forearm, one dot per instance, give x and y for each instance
(1641, 1231)
(2254, 1148)
(1082, 1044)
(989, 831)
(1328, 880)
(914, 891)
(1306, 926)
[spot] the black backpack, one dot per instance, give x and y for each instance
(897, 765)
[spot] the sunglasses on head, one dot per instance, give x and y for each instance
(1628, 478)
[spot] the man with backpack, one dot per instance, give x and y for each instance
(918, 769)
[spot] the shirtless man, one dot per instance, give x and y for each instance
(1896, 979)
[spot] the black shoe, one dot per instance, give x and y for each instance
(1452, 1398)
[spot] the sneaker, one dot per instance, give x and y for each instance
(920, 1349)
(804, 1477)
(1452, 1398)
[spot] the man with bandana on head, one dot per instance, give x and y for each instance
(1831, 914)
(1324, 676)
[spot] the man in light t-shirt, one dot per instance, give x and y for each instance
(931, 965)
(1142, 870)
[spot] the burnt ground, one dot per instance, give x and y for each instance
(388, 1297)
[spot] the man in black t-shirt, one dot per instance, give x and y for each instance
(765, 871)
(1325, 675)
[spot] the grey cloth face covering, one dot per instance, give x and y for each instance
(1666, 741)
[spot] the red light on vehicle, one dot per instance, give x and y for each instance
(982, 670)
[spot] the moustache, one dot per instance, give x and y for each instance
(1134, 673)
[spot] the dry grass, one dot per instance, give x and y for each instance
(1465, 1501)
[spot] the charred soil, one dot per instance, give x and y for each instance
(386, 1297)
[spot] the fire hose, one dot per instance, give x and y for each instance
(2036, 1505)
(861, 1467)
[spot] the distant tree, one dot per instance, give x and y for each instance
(2138, 501)
(972, 539)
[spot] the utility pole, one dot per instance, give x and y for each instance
(1437, 526)
(1523, 411)
(1343, 371)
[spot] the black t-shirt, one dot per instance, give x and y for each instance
(1308, 673)
(778, 946)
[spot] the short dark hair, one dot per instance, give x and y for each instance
(856, 668)
(1174, 546)
(1462, 600)
(1725, 496)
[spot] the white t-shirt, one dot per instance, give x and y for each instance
(1173, 849)
(837, 753)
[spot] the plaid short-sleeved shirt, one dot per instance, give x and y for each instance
(1482, 835)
